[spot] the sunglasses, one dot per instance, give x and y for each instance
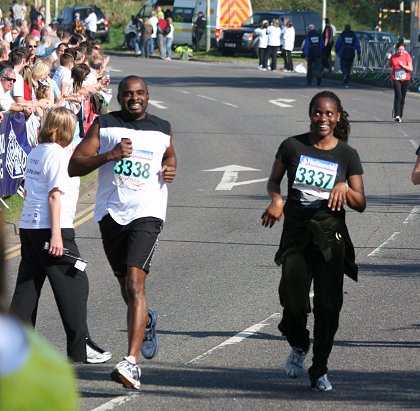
(9, 79)
(32, 47)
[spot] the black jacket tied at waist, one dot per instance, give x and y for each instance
(297, 233)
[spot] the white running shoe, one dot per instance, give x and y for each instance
(127, 373)
(321, 384)
(398, 119)
(150, 345)
(295, 364)
(95, 354)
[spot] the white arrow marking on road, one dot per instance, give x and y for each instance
(230, 176)
(281, 102)
(157, 104)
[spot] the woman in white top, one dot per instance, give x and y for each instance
(288, 45)
(48, 246)
(273, 43)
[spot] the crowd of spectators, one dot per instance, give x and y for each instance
(42, 68)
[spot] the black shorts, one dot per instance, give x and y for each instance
(133, 244)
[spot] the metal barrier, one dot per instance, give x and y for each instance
(374, 59)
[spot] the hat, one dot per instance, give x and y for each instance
(311, 27)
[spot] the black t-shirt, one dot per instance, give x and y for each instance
(312, 173)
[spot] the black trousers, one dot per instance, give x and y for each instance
(288, 62)
(400, 91)
(69, 285)
(345, 65)
(314, 70)
(198, 34)
(326, 57)
(262, 57)
(298, 272)
(272, 53)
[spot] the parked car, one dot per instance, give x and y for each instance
(66, 20)
(243, 39)
(379, 36)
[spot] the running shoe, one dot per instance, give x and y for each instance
(127, 373)
(150, 345)
(295, 363)
(321, 384)
(398, 119)
(95, 354)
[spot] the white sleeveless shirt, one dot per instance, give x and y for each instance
(132, 188)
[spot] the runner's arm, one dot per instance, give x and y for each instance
(168, 169)
(274, 211)
(415, 175)
(86, 159)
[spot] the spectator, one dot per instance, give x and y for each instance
(91, 22)
(289, 44)
(261, 33)
(312, 51)
(273, 43)
(154, 22)
(146, 34)
(62, 76)
(198, 30)
(4, 55)
(346, 48)
(24, 354)
(169, 38)
(32, 44)
(7, 81)
(78, 27)
(162, 30)
(415, 175)
(17, 38)
(328, 40)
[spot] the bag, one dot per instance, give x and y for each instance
(163, 27)
(167, 30)
(300, 68)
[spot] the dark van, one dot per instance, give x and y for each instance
(243, 39)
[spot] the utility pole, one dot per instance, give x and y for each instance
(402, 19)
(208, 27)
(47, 12)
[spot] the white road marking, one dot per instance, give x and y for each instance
(412, 215)
(236, 339)
(282, 102)
(229, 104)
(184, 91)
(157, 104)
(377, 250)
(404, 133)
(230, 176)
(116, 402)
(205, 97)
(414, 143)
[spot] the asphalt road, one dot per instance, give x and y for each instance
(214, 282)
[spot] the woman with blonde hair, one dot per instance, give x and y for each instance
(48, 242)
